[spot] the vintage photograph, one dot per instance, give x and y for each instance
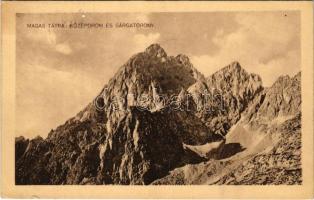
(158, 98)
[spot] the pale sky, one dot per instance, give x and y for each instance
(59, 71)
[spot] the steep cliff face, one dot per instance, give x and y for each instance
(237, 87)
(143, 147)
(230, 90)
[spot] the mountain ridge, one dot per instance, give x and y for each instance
(131, 134)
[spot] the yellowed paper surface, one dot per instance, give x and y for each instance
(22, 20)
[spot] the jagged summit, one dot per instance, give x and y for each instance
(234, 69)
(234, 65)
(151, 73)
(184, 59)
(285, 79)
(233, 78)
(298, 75)
(156, 50)
(282, 79)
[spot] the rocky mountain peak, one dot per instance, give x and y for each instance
(149, 74)
(233, 89)
(234, 79)
(184, 59)
(155, 50)
(282, 80)
(234, 66)
(233, 69)
(297, 77)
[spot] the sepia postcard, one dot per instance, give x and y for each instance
(157, 100)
